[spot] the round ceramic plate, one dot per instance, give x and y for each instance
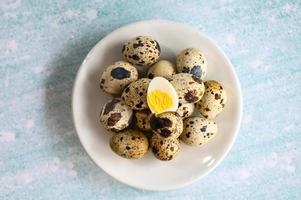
(148, 173)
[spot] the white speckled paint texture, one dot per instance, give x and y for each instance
(42, 44)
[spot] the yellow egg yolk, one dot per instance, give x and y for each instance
(158, 101)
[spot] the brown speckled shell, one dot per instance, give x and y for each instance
(141, 50)
(142, 119)
(164, 148)
(167, 124)
(163, 68)
(116, 115)
(185, 110)
(134, 95)
(131, 144)
(213, 101)
(193, 61)
(112, 85)
(189, 88)
(198, 131)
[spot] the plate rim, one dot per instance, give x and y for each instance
(237, 83)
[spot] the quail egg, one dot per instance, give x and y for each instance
(190, 89)
(134, 95)
(142, 119)
(164, 148)
(163, 68)
(116, 115)
(198, 131)
(141, 50)
(213, 101)
(117, 76)
(193, 61)
(131, 144)
(185, 110)
(167, 124)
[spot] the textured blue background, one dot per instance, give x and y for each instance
(42, 45)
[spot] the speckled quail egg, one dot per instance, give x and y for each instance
(198, 131)
(141, 50)
(185, 110)
(162, 96)
(167, 124)
(213, 101)
(190, 89)
(164, 148)
(117, 76)
(116, 115)
(142, 119)
(131, 144)
(163, 68)
(134, 95)
(193, 61)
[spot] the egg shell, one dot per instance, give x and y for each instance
(134, 95)
(163, 85)
(185, 110)
(117, 76)
(213, 101)
(141, 50)
(162, 68)
(193, 61)
(167, 125)
(164, 148)
(142, 119)
(116, 115)
(198, 131)
(131, 144)
(190, 89)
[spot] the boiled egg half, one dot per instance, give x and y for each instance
(162, 96)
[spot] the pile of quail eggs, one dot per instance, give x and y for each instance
(136, 125)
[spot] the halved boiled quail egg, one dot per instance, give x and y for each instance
(161, 96)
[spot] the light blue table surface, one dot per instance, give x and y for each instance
(42, 44)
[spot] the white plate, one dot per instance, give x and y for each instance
(149, 173)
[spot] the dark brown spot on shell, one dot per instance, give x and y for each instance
(165, 132)
(128, 148)
(204, 128)
(191, 96)
(127, 90)
(135, 57)
(207, 109)
(114, 118)
(150, 75)
(217, 96)
(110, 106)
(139, 105)
(155, 150)
(158, 123)
(185, 113)
(186, 70)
